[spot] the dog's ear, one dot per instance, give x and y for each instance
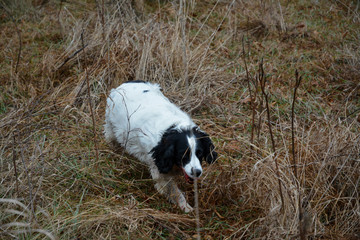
(163, 155)
(206, 144)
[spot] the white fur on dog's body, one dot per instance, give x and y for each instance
(137, 115)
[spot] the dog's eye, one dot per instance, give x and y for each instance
(199, 152)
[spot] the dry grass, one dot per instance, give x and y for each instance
(53, 187)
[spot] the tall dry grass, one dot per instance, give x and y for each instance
(53, 187)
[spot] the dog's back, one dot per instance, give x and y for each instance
(137, 113)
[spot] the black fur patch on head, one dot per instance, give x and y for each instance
(205, 149)
(173, 149)
(136, 81)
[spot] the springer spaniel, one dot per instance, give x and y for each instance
(158, 133)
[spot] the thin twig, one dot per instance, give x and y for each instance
(261, 102)
(252, 99)
(89, 98)
(297, 84)
(302, 230)
(262, 81)
(14, 162)
(197, 215)
(73, 55)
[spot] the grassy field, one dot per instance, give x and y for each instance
(288, 168)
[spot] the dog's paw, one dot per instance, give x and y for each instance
(186, 207)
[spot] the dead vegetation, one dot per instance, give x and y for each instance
(209, 57)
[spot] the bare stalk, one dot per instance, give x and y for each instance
(262, 81)
(261, 102)
(197, 215)
(14, 162)
(89, 99)
(72, 56)
(252, 99)
(302, 230)
(297, 84)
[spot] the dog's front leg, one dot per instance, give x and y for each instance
(166, 186)
(177, 197)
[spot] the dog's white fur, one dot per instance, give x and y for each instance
(137, 115)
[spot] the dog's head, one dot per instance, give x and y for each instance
(185, 149)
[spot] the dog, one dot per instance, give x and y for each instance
(154, 130)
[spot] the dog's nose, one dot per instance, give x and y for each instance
(196, 172)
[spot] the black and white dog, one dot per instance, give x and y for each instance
(158, 133)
